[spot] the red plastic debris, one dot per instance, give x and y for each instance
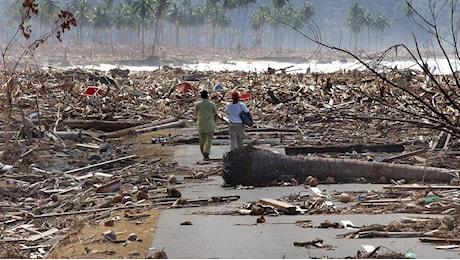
(245, 95)
(91, 91)
(185, 87)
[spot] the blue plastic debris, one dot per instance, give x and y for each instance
(410, 255)
(218, 87)
(34, 114)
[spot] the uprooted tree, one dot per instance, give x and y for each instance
(429, 100)
(28, 10)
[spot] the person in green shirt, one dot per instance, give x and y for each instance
(205, 112)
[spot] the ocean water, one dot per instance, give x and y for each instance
(438, 66)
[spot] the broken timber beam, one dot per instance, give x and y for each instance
(103, 125)
(258, 167)
(132, 130)
(157, 127)
(280, 205)
(439, 240)
(100, 164)
(359, 148)
(421, 187)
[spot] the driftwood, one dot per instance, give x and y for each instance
(359, 148)
(101, 164)
(66, 135)
(132, 130)
(281, 205)
(251, 166)
(157, 127)
(102, 125)
(422, 187)
(437, 240)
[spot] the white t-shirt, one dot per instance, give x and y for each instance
(233, 111)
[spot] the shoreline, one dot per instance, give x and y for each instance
(74, 55)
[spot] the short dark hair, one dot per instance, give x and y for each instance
(204, 94)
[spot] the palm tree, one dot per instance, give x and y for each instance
(46, 10)
(196, 17)
(239, 4)
(100, 20)
(160, 7)
(355, 19)
(216, 17)
(367, 22)
(306, 12)
(109, 4)
(178, 19)
(144, 9)
(258, 19)
(121, 17)
(380, 24)
(80, 9)
(278, 4)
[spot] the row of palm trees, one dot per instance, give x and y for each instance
(209, 23)
(359, 18)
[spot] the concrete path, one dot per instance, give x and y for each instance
(216, 234)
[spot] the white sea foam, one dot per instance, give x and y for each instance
(439, 66)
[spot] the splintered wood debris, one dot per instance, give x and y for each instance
(64, 152)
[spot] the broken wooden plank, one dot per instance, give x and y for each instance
(385, 201)
(88, 211)
(103, 174)
(43, 234)
(271, 141)
(86, 176)
(26, 247)
(92, 146)
(31, 238)
(106, 126)
(281, 205)
(421, 187)
(447, 247)
(388, 234)
(112, 186)
(158, 127)
(132, 130)
(100, 164)
(359, 148)
(401, 156)
(438, 240)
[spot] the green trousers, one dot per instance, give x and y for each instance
(205, 140)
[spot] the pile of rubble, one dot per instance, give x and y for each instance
(65, 161)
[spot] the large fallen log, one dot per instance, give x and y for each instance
(359, 148)
(132, 130)
(258, 167)
(103, 125)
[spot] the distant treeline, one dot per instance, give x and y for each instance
(217, 24)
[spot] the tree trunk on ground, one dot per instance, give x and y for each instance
(258, 167)
(103, 125)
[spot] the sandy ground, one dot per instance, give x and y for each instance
(86, 241)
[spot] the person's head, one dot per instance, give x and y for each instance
(204, 94)
(235, 96)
